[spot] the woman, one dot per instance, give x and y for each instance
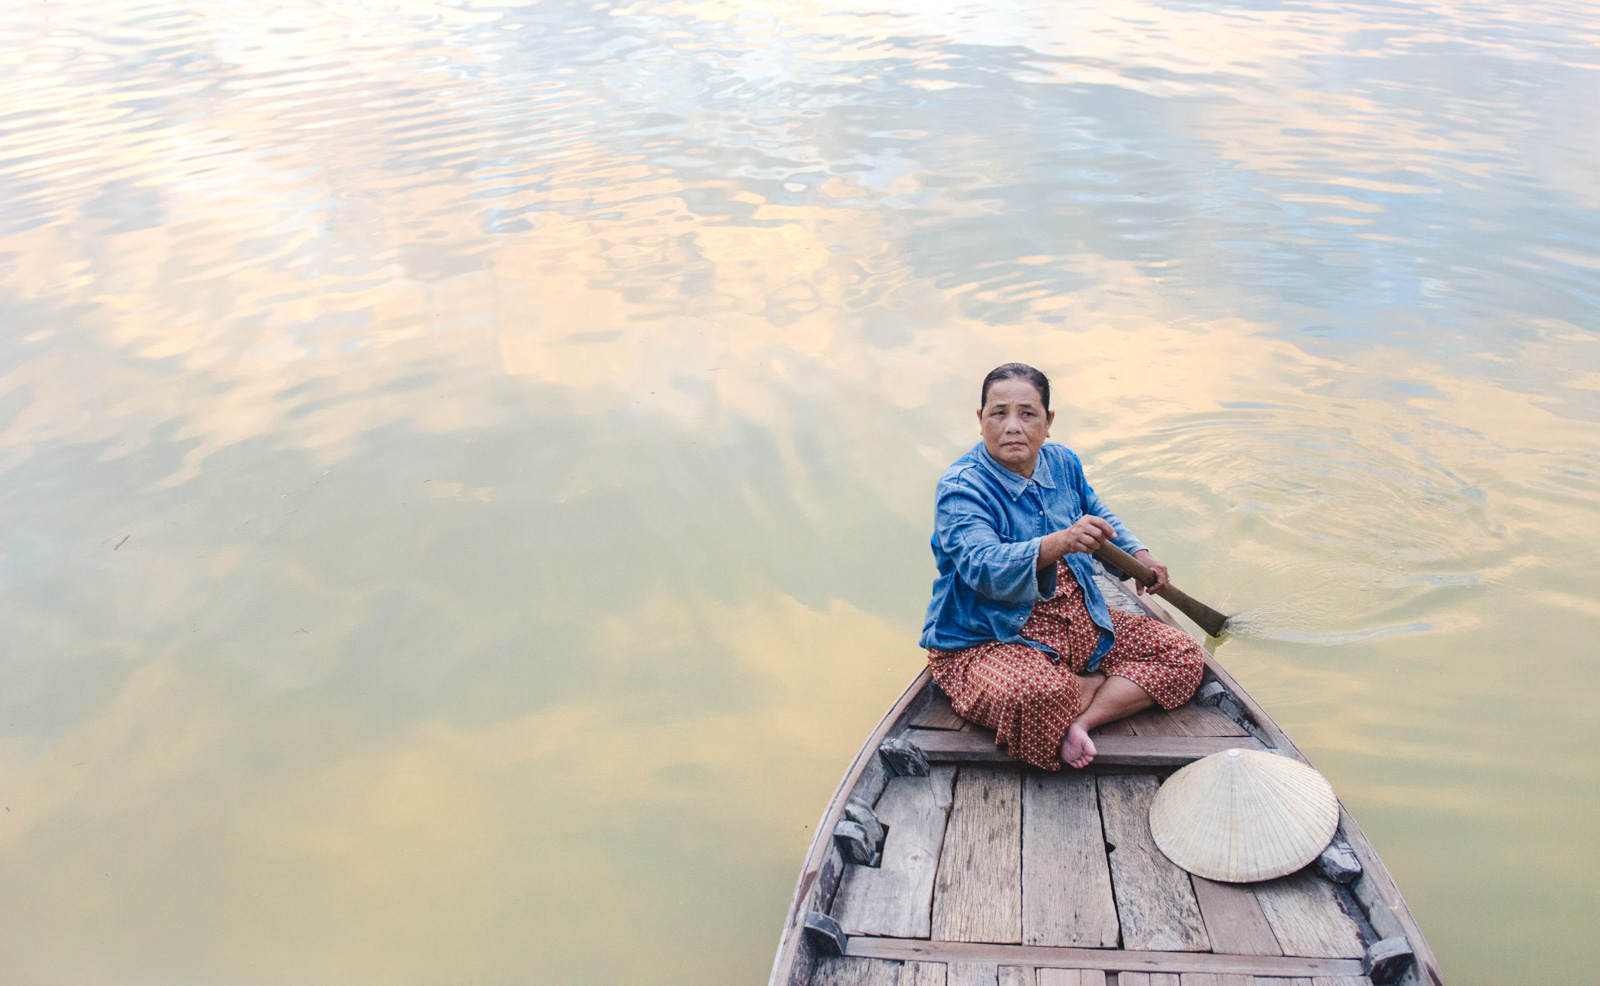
(1018, 634)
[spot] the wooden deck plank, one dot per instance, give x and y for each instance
(896, 897)
(1341, 981)
(977, 894)
(1303, 910)
(972, 974)
(1107, 959)
(1200, 720)
(1071, 977)
(1120, 727)
(836, 970)
(937, 714)
(922, 974)
(1066, 882)
(976, 745)
(1149, 979)
(1154, 722)
(1234, 920)
(1216, 979)
(1155, 901)
(1016, 975)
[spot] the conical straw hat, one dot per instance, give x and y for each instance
(1241, 816)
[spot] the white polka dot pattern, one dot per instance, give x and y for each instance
(1029, 702)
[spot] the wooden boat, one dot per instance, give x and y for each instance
(941, 861)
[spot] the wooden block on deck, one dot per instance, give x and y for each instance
(1304, 912)
(922, 974)
(1155, 901)
(977, 895)
(1066, 882)
(894, 899)
(977, 746)
(1234, 920)
(848, 971)
(937, 714)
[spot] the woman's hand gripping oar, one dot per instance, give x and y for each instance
(1208, 619)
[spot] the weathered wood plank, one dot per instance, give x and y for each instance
(972, 974)
(1341, 981)
(1108, 959)
(1200, 720)
(937, 714)
(869, 786)
(1016, 975)
(1066, 882)
(1119, 727)
(1234, 919)
(1072, 977)
(1149, 979)
(977, 895)
(1216, 979)
(922, 974)
(1154, 722)
(1306, 918)
(848, 971)
(896, 897)
(1155, 901)
(977, 746)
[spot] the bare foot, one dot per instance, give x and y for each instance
(1077, 749)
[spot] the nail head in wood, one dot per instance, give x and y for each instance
(824, 934)
(903, 758)
(1338, 863)
(1386, 961)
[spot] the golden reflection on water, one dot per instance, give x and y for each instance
(468, 466)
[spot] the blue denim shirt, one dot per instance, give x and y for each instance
(988, 522)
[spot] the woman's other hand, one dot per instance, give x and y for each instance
(1144, 557)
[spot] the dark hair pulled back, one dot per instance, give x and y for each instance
(1016, 371)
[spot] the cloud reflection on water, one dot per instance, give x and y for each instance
(522, 420)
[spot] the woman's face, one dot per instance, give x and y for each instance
(1014, 424)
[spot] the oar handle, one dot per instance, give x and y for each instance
(1207, 618)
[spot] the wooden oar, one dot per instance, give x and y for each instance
(1209, 620)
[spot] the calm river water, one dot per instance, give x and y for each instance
(466, 469)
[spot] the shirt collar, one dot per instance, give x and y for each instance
(1014, 484)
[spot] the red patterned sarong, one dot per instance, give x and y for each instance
(1029, 702)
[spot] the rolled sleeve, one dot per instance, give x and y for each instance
(1005, 571)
